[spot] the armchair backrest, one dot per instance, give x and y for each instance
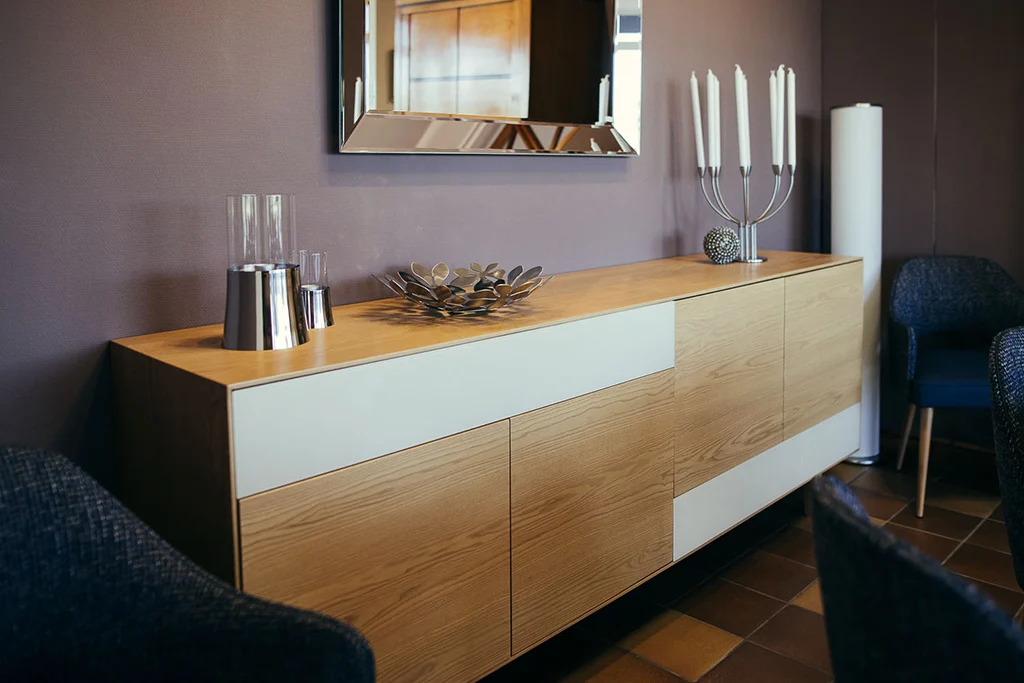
(965, 294)
(1006, 375)
(894, 614)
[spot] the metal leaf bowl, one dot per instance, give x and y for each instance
(470, 291)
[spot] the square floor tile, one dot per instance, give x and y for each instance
(618, 620)
(810, 599)
(997, 514)
(770, 574)
(751, 663)
(1010, 601)
(731, 608)
(955, 525)
(938, 547)
(846, 472)
(619, 666)
(877, 504)
(681, 644)
(888, 482)
(984, 564)
(671, 584)
(798, 634)
(794, 544)
(805, 523)
(959, 499)
(992, 535)
(571, 655)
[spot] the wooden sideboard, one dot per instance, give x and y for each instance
(463, 489)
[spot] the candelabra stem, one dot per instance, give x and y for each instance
(713, 205)
(792, 178)
(717, 189)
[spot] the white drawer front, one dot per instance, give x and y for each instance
(709, 510)
(294, 429)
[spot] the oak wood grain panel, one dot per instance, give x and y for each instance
(385, 328)
(728, 379)
(411, 548)
(591, 502)
(173, 462)
(824, 323)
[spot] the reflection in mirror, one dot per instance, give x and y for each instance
(491, 76)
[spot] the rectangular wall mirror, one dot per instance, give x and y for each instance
(489, 76)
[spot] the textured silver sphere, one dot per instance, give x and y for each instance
(722, 245)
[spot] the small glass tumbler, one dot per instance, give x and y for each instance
(316, 292)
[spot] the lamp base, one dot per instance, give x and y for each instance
(263, 309)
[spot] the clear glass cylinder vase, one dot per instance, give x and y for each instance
(261, 229)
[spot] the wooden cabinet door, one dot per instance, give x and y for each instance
(728, 376)
(432, 61)
(591, 502)
(411, 548)
(824, 323)
(469, 57)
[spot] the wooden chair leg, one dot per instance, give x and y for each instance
(911, 411)
(922, 457)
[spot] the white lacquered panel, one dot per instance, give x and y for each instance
(299, 428)
(703, 513)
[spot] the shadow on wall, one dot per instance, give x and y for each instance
(675, 216)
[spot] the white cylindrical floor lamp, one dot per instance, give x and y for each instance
(857, 231)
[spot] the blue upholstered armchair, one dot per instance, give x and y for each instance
(945, 311)
(1006, 367)
(894, 614)
(89, 593)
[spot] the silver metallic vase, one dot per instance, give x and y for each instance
(264, 308)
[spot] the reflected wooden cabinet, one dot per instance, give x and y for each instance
(463, 56)
(824, 332)
(591, 502)
(412, 548)
(728, 379)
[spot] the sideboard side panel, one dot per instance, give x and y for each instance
(173, 463)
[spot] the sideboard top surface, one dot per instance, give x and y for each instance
(385, 328)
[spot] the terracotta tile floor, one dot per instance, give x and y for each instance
(747, 608)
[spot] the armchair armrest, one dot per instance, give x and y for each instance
(88, 592)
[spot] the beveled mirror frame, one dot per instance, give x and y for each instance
(411, 133)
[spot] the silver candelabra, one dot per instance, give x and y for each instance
(746, 226)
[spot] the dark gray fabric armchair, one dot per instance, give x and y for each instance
(893, 614)
(88, 592)
(1006, 366)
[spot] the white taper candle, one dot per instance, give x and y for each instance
(698, 128)
(791, 107)
(780, 130)
(357, 103)
(742, 117)
(716, 120)
(773, 103)
(602, 103)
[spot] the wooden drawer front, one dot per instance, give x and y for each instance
(591, 502)
(729, 367)
(412, 548)
(298, 428)
(824, 324)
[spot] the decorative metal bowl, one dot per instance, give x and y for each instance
(471, 291)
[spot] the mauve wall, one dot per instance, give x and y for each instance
(950, 75)
(125, 123)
